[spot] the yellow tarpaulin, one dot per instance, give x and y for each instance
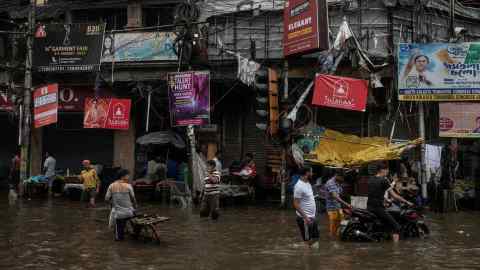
(341, 150)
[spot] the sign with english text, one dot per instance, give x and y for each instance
(305, 26)
(189, 96)
(68, 48)
(107, 113)
(340, 92)
(45, 105)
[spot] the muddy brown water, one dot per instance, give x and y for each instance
(61, 234)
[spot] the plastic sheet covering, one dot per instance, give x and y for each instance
(336, 149)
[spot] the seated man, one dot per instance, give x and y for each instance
(378, 185)
(249, 172)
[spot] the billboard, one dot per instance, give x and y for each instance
(45, 105)
(64, 48)
(340, 92)
(139, 46)
(439, 71)
(459, 119)
(107, 113)
(305, 26)
(189, 96)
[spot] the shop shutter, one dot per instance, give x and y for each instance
(254, 141)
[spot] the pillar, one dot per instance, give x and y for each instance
(134, 13)
(36, 151)
(124, 148)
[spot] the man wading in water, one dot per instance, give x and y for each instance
(122, 197)
(304, 203)
(211, 192)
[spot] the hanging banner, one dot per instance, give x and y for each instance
(439, 71)
(45, 105)
(305, 26)
(139, 46)
(459, 120)
(107, 113)
(189, 94)
(62, 48)
(340, 92)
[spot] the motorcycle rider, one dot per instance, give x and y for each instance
(377, 186)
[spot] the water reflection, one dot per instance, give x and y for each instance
(59, 234)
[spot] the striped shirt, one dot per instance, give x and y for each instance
(212, 182)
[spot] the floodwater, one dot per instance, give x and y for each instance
(62, 234)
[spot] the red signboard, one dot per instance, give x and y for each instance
(71, 98)
(305, 26)
(340, 92)
(108, 113)
(45, 105)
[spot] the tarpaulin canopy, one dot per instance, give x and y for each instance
(162, 137)
(342, 150)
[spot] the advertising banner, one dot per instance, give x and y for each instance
(107, 113)
(439, 71)
(65, 48)
(305, 26)
(459, 119)
(139, 46)
(45, 105)
(340, 92)
(189, 94)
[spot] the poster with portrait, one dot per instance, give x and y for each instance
(439, 71)
(68, 48)
(107, 113)
(139, 46)
(459, 120)
(189, 97)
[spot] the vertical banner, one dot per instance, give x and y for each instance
(305, 26)
(45, 100)
(189, 96)
(107, 113)
(340, 92)
(459, 120)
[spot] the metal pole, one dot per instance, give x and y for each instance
(284, 172)
(452, 19)
(27, 96)
(421, 128)
(147, 128)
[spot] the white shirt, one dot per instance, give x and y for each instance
(304, 193)
(218, 165)
(49, 165)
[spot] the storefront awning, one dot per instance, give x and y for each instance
(162, 138)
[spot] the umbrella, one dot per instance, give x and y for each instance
(162, 137)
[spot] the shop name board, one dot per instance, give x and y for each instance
(68, 47)
(439, 71)
(305, 26)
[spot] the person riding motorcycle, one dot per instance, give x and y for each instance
(377, 186)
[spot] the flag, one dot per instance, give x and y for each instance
(340, 92)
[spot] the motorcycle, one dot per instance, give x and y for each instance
(362, 225)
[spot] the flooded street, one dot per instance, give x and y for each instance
(61, 234)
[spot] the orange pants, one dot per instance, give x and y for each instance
(335, 217)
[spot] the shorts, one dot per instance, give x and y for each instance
(386, 219)
(334, 218)
(308, 231)
(89, 193)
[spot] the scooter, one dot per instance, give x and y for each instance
(363, 226)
